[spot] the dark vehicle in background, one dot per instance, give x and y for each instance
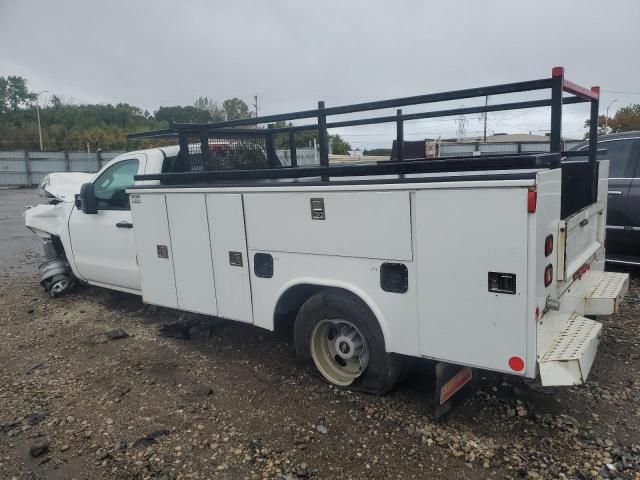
(623, 213)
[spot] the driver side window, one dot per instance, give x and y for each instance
(110, 187)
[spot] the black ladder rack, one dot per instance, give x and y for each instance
(241, 150)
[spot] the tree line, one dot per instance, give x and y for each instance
(70, 126)
(626, 119)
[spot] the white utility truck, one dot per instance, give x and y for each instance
(490, 262)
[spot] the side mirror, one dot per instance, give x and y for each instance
(86, 200)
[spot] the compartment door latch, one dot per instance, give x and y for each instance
(502, 282)
(317, 209)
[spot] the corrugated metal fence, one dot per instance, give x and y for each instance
(29, 168)
(491, 148)
(304, 156)
(22, 168)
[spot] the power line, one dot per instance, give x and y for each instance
(625, 93)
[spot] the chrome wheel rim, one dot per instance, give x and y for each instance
(59, 287)
(339, 351)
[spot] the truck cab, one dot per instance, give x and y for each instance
(103, 245)
(93, 241)
(98, 249)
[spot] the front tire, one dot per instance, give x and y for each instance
(337, 333)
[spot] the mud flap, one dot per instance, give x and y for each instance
(451, 380)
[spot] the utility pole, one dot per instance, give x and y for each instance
(462, 122)
(255, 103)
(38, 114)
(486, 102)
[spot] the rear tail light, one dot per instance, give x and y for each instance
(548, 275)
(548, 245)
(532, 199)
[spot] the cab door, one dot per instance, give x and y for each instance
(623, 194)
(103, 244)
(630, 241)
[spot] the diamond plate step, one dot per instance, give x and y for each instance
(571, 354)
(605, 296)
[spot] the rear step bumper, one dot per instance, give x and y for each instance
(605, 296)
(571, 353)
(572, 348)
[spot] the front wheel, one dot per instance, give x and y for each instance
(337, 333)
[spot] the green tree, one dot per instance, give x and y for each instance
(56, 102)
(626, 119)
(303, 138)
(207, 104)
(235, 109)
(14, 94)
(182, 114)
(4, 84)
(339, 145)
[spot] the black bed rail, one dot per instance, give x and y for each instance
(417, 166)
(249, 129)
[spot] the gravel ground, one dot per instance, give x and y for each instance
(225, 400)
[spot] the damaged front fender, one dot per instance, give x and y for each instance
(49, 223)
(47, 220)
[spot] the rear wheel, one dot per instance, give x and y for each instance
(339, 351)
(337, 333)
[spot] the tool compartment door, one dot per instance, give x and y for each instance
(462, 235)
(230, 260)
(153, 249)
(192, 262)
(350, 224)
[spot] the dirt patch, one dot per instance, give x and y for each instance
(233, 402)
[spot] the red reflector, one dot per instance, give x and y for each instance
(516, 364)
(548, 245)
(537, 313)
(581, 271)
(532, 199)
(548, 275)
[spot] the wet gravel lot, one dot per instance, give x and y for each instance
(89, 388)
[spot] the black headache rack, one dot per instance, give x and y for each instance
(241, 152)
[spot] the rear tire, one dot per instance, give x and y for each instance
(337, 333)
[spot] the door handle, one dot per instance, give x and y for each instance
(614, 192)
(124, 224)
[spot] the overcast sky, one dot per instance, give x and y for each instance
(294, 53)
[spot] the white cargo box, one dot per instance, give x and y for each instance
(473, 283)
